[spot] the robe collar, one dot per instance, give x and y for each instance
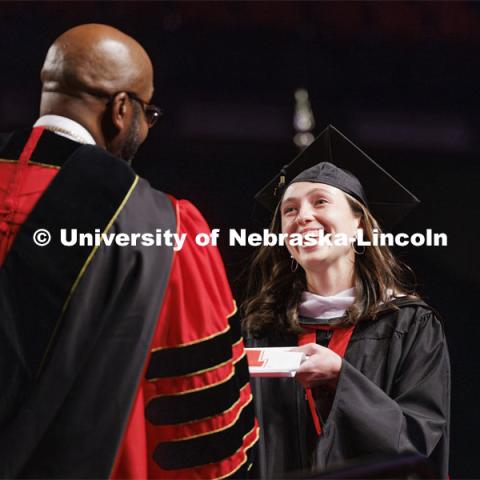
(66, 127)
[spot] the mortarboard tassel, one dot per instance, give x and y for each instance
(282, 181)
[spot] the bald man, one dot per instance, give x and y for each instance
(102, 79)
(119, 359)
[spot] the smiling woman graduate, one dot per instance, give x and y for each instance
(377, 378)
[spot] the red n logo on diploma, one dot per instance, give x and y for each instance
(254, 358)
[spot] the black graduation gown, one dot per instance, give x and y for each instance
(392, 397)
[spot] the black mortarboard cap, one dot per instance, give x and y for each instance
(334, 160)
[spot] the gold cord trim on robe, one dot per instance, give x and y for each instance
(198, 372)
(234, 311)
(193, 390)
(193, 342)
(237, 342)
(244, 354)
(56, 167)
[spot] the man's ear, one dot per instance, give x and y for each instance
(119, 110)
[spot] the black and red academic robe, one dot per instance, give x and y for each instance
(120, 362)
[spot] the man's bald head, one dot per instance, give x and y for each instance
(101, 78)
(96, 59)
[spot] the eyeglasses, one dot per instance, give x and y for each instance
(152, 112)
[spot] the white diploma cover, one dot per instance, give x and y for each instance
(273, 361)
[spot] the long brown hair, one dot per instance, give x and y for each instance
(274, 290)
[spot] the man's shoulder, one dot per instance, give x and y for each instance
(185, 209)
(47, 148)
(92, 157)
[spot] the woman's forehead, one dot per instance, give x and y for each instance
(302, 189)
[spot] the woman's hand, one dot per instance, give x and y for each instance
(321, 368)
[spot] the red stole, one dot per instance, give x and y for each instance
(21, 185)
(338, 343)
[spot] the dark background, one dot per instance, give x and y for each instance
(401, 79)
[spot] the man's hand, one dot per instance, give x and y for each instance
(321, 369)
